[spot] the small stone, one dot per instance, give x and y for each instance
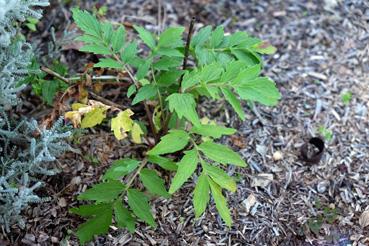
(277, 156)
(322, 186)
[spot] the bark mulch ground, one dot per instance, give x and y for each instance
(323, 49)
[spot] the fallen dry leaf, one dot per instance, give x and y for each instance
(262, 180)
(249, 202)
(364, 219)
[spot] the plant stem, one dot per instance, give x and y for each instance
(55, 74)
(184, 67)
(130, 181)
(187, 48)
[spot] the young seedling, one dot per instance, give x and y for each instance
(225, 67)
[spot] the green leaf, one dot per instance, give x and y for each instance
(220, 177)
(49, 89)
(221, 154)
(232, 70)
(264, 48)
(184, 105)
(153, 183)
(94, 117)
(204, 56)
(96, 49)
(186, 167)
(131, 90)
(170, 52)
(212, 130)
(163, 162)
(129, 52)
(146, 36)
(120, 168)
(117, 40)
(90, 39)
(261, 89)
(87, 22)
(123, 217)
(169, 78)
(103, 192)
(246, 56)
(201, 37)
(217, 37)
(201, 195)
(210, 72)
(220, 202)
(190, 79)
(90, 209)
(145, 93)
(171, 37)
(166, 62)
(246, 74)
(235, 103)
(140, 206)
(143, 69)
(107, 29)
(174, 141)
(96, 225)
(237, 38)
(109, 63)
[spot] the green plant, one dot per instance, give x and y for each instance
(42, 87)
(224, 66)
(326, 133)
(327, 215)
(346, 97)
(31, 23)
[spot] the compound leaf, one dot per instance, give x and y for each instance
(201, 195)
(146, 36)
(235, 103)
(103, 192)
(94, 117)
(221, 154)
(163, 162)
(262, 90)
(186, 167)
(96, 225)
(212, 130)
(171, 37)
(123, 217)
(220, 202)
(220, 177)
(120, 168)
(153, 183)
(175, 140)
(109, 63)
(90, 209)
(146, 92)
(184, 105)
(122, 123)
(139, 204)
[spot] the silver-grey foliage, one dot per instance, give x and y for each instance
(26, 149)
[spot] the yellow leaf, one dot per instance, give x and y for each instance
(122, 124)
(136, 133)
(76, 106)
(94, 117)
(73, 116)
(156, 116)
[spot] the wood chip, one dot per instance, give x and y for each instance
(364, 219)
